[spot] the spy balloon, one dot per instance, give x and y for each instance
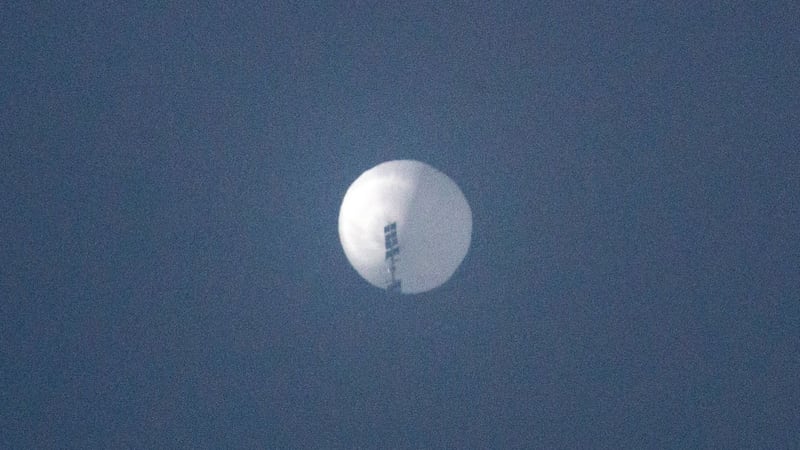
(405, 226)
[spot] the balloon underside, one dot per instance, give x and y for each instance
(434, 225)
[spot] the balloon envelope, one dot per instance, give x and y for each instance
(434, 225)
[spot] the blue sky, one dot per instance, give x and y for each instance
(172, 274)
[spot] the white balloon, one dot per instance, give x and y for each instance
(434, 225)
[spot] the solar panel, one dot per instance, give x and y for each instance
(392, 254)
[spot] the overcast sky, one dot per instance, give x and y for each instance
(171, 179)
